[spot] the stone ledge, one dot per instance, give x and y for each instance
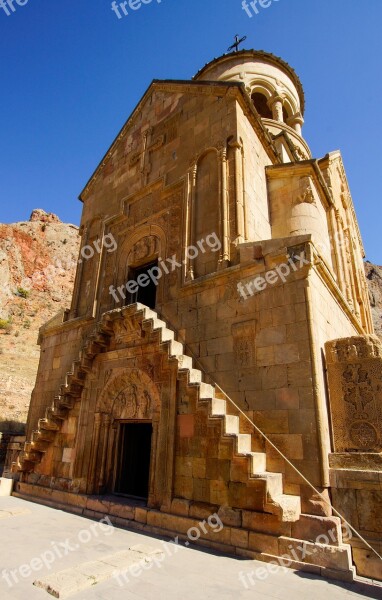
(329, 561)
(358, 461)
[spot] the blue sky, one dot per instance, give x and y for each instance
(71, 73)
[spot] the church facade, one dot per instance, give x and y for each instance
(219, 357)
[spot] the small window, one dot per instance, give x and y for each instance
(261, 105)
(147, 286)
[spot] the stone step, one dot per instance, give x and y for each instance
(194, 376)
(48, 425)
(243, 443)
(36, 446)
(274, 482)
(175, 348)
(33, 457)
(56, 412)
(184, 362)
(231, 425)
(258, 462)
(206, 391)
(43, 436)
(218, 407)
(286, 507)
(64, 401)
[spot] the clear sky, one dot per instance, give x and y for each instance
(72, 72)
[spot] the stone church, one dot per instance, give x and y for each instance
(221, 357)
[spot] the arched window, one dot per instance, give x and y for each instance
(207, 211)
(261, 105)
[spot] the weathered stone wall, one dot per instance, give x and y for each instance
(59, 348)
(255, 159)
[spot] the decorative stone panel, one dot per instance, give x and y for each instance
(355, 384)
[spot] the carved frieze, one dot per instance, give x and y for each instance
(355, 388)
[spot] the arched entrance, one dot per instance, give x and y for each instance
(125, 436)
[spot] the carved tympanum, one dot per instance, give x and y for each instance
(146, 247)
(129, 394)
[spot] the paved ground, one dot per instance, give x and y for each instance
(31, 534)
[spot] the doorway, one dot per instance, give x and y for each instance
(133, 460)
(147, 290)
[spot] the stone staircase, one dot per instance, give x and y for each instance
(286, 507)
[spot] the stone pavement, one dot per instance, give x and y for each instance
(37, 542)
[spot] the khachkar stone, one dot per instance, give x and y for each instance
(355, 384)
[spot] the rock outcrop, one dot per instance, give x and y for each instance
(38, 260)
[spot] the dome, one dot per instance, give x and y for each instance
(261, 72)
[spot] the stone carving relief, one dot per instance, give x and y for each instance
(145, 248)
(126, 331)
(130, 394)
(168, 128)
(355, 386)
(299, 153)
(244, 343)
(305, 193)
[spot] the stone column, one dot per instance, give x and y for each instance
(111, 454)
(341, 235)
(296, 121)
(154, 498)
(276, 105)
(191, 203)
(187, 214)
(106, 422)
(240, 216)
(93, 461)
(349, 252)
(224, 257)
(97, 290)
(337, 257)
(77, 284)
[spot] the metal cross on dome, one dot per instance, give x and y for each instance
(237, 43)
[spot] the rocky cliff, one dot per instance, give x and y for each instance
(37, 268)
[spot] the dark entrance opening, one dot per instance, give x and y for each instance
(133, 460)
(147, 289)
